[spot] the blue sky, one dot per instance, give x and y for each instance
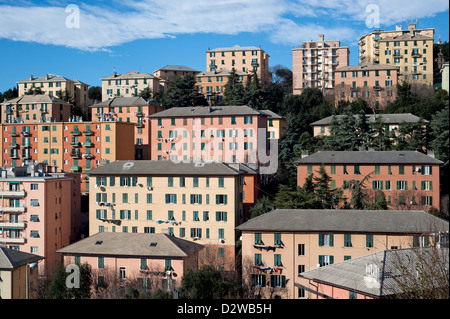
(85, 40)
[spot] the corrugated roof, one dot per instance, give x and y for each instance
(132, 244)
(344, 220)
(386, 118)
(369, 157)
(167, 167)
(377, 280)
(11, 258)
(197, 111)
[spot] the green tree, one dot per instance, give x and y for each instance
(234, 90)
(381, 139)
(9, 94)
(182, 92)
(359, 198)
(325, 195)
(253, 94)
(57, 288)
(95, 93)
(412, 136)
(262, 206)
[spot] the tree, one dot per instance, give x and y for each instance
(253, 95)
(9, 94)
(34, 91)
(412, 136)
(59, 290)
(95, 93)
(359, 199)
(282, 76)
(234, 90)
(182, 92)
(262, 206)
(381, 139)
(327, 197)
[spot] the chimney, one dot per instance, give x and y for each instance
(321, 37)
(398, 27)
(430, 153)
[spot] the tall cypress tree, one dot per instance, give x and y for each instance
(234, 90)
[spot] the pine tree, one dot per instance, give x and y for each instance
(253, 93)
(234, 90)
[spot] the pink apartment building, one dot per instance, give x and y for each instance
(280, 246)
(374, 83)
(40, 211)
(314, 64)
(156, 260)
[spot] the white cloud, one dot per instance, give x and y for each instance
(112, 23)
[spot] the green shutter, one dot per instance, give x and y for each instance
(320, 239)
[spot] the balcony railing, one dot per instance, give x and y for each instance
(88, 133)
(8, 240)
(43, 110)
(9, 225)
(10, 209)
(75, 133)
(9, 193)
(377, 88)
(75, 154)
(75, 144)
(88, 144)
(75, 168)
(13, 145)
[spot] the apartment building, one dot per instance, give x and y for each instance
(156, 260)
(246, 59)
(69, 146)
(35, 108)
(40, 211)
(18, 273)
(392, 122)
(131, 110)
(200, 202)
(276, 125)
(128, 84)
(375, 84)
(408, 179)
(51, 84)
(202, 133)
(411, 51)
(384, 274)
(280, 246)
(313, 64)
(169, 73)
(212, 83)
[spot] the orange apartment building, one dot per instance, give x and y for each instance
(51, 84)
(131, 110)
(35, 108)
(212, 83)
(314, 63)
(218, 133)
(155, 260)
(69, 146)
(408, 179)
(245, 59)
(199, 202)
(40, 211)
(376, 84)
(279, 247)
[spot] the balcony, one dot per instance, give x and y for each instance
(15, 134)
(254, 63)
(12, 240)
(75, 144)
(139, 114)
(13, 145)
(75, 168)
(25, 133)
(9, 225)
(88, 133)
(26, 156)
(139, 125)
(88, 144)
(12, 193)
(377, 88)
(88, 156)
(8, 111)
(10, 209)
(416, 55)
(43, 110)
(14, 155)
(75, 133)
(75, 154)
(397, 55)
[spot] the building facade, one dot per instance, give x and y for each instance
(408, 179)
(69, 146)
(375, 84)
(410, 50)
(52, 84)
(35, 108)
(128, 84)
(169, 73)
(279, 246)
(155, 260)
(246, 59)
(313, 64)
(131, 110)
(197, 202)
(40, 211)
(218, 133)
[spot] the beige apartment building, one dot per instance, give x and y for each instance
(314, 63)
(35, 108)
(245, 59)
(374, 83)
(279, 246)
(51, 84)
(199, 202)
(411, 51)
(169, 73)
(128, 84)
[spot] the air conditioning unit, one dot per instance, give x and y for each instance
(150, 188)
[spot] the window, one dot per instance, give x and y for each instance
(427, 185)
(196, 198)
(278, 281)
(402, 185)
(377, 184)
(301, 249)
(221, 199)
(196, 233)
(347, 240)
(426, 170)
(221, 216)
(369, 240)
(426, 200)
(277, 260)
(325, 260)
(357, 170)
(277, 239)
(258, 239)
(326, 240)
(122, 273)
(259, 280)
(258, 260)
(221, 182)
(171, 198)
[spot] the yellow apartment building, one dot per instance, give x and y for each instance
(34, 109)
(212, 83)
(51, 84)
(200, 202)
(170, 72)
(410, 50)
(128, 84)
(277, 247)
(245, 59)
(276, 125)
